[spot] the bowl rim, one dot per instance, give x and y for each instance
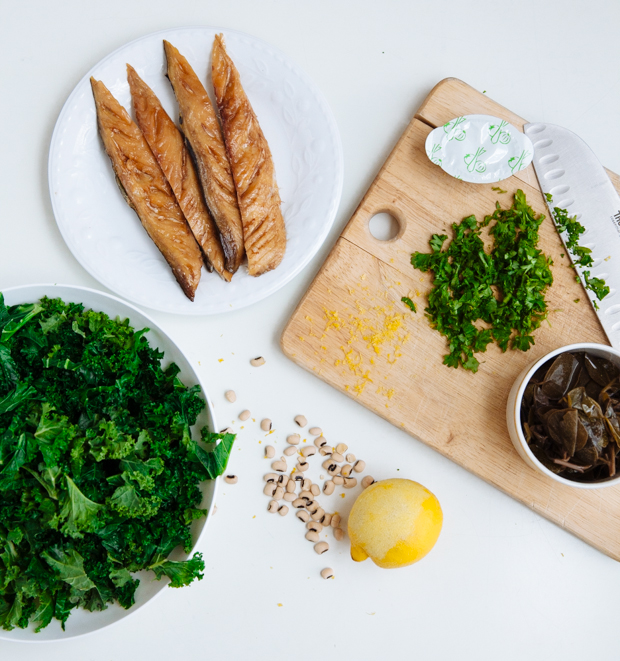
(211, 413)
(578, 346)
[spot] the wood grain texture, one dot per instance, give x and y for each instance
(352, 331)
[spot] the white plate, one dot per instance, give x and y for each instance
(105, 235)
(82, 622)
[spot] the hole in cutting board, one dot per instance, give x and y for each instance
(383, 226)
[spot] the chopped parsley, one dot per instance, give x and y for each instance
(499, 190)
(99, 472)
(479, 297)
(409, 303)
(581, 255)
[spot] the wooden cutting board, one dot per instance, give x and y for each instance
(352, 330)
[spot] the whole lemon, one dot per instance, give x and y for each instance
(394, 522)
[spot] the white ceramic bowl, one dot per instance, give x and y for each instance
(513, 409)
(82, 622)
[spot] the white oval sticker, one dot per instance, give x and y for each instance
(479, 148)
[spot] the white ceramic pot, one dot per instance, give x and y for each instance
(513, 409)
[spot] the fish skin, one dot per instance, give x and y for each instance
(168, 146)
(264, 232)
(146, 190)
(201, 128)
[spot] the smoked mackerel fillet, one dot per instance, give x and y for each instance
(264, 233)
(202, 131)
(146, 190)
(168, 147)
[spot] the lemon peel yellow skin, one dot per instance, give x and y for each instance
(394, 523)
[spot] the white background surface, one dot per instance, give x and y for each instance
(502, 583)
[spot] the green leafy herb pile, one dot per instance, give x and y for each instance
(581, 255)
(99, 474)
(504, 288)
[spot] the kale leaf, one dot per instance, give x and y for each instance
(99, 471)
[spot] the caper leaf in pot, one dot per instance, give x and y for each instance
(569, 416)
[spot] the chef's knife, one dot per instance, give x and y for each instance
(568, 170)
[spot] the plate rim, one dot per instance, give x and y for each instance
(334, 203)
(216, 481)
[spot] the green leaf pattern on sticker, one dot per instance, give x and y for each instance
(497, 133)
(516, 162)
(453, 131)
(433, 155)
(473, 162)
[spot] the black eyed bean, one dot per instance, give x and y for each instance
(301, 420)
(321, 547)
(318, 515)
(312, 506)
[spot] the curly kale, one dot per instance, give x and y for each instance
(99, 473)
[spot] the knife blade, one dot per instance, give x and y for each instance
(568, 170)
